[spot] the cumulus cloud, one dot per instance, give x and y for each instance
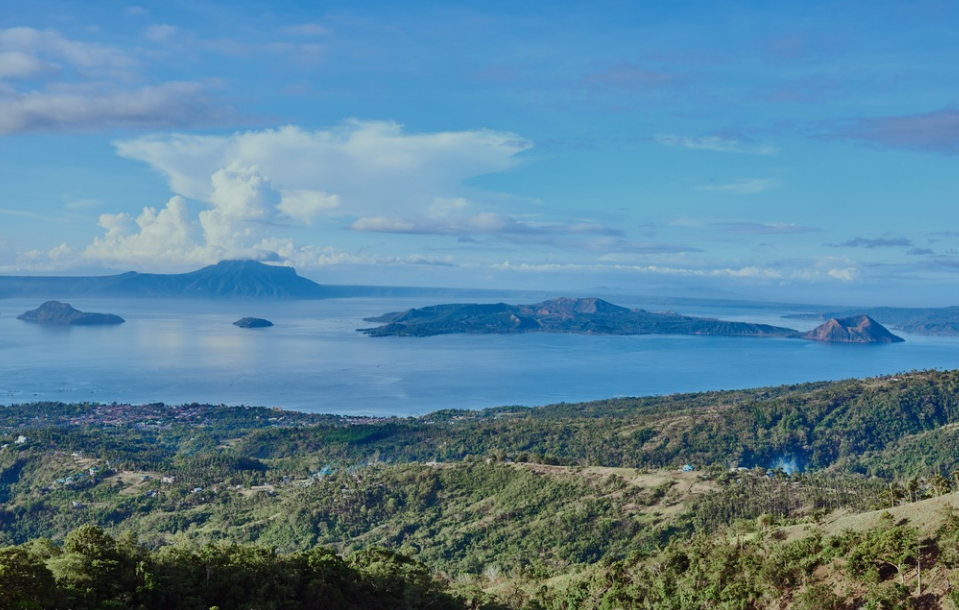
(254, 184)
(371, 166)
(936, 132)
(151, 236)
(716, 144)
(745, 186)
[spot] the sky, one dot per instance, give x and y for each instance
(767, 150)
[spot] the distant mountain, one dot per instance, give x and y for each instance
(55, 312)
(918, 320)
(855, 329)
(226, 279)
(563, 315)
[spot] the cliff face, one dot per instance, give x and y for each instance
(55, 312)
(855, 329)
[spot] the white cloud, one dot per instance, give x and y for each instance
(94, 87)
(88, 57)
(748, 272)
(384, 224)
(374, 167)
(487, 223)
(305, 204)
(79, 109)
(167, 234)
(716, 144)
(255, 183)
(446, 205)
(14, 64)
(745, 186)
(160, 32)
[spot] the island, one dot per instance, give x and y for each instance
(855, 329)
(55, 312)
(563, 315)
(942, 321)
(253, 323)
(592, 316)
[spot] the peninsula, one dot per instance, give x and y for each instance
(55, 312)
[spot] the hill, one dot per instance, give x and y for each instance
(585, 506)
(918, 320)
(855, 329)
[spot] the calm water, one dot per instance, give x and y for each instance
(313, 360)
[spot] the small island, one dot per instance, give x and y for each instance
(253, 323)
(854, 329)
(592, 316)
(62, 314)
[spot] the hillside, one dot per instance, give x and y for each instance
(567, 506)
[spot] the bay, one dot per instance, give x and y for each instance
(314, 360)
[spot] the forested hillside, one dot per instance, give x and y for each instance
(833, 495)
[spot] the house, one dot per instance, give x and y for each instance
(688, 468)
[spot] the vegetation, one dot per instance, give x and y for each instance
(825, 495)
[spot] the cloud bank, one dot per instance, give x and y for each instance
(254, 186)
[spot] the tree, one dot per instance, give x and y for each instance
(890, 545)
(25, 582)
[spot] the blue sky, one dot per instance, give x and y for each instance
(781, 151)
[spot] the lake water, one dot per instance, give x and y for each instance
(313, 360)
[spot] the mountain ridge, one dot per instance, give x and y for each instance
(226, 279)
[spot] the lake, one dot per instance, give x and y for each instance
(313, 360)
